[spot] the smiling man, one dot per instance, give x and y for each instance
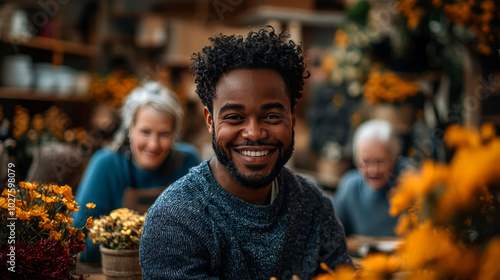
(242, 214)
(361, 200)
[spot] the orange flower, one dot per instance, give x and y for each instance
(22, 215)
(446, 253)
(378, 265)
(89, 222)
(489, 269)
(388, 87)
(55, 235)
(90, 205)
(422, 274)
(341, 38)
(81, 236)
(66, 192)
(29, 186)
(4, 203)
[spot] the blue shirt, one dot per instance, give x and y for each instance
(197, 230)
(363, 210)
(110, 175)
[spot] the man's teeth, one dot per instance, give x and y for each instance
(255, 153)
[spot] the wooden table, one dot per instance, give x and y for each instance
(94, 271)
(355, 244)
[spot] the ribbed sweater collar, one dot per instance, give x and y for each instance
(234, 206)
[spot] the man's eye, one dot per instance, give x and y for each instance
(273, 117)
(233, 117)
(146, 132)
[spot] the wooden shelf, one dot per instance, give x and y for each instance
(30, 94)
(54, 45)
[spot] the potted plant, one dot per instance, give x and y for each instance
(119, 235)
(37, 240)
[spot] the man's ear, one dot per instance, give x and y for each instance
(208, 120)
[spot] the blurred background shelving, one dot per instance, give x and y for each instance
(83, 57)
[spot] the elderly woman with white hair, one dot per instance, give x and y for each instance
(361, 200)
(143, 160)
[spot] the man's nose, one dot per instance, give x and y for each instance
(254, 131)
(372, 169)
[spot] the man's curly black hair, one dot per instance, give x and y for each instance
(264, 49)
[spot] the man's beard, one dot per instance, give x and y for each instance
(253, 181)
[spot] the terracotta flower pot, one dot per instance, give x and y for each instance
(121, 264)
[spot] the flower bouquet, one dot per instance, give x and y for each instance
(37, 240)
(450, 216)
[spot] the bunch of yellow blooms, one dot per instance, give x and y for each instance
(112, 88)
(44, 211)
(387, 86)
(37, 231)
(54, 123)
(450, 216)
(121, 230)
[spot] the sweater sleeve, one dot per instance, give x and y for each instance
(176, 244)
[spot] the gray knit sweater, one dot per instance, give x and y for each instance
(197, 230)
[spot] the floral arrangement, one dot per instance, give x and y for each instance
(450, 216)
(481, 17)
(120, 230)
(45, 243)
(52, 125)
(388, 86)
(112, 88)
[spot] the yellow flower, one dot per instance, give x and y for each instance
(4, 203)
(378, 265)
(81, 236)
(70, 204)
(489, 269)
(48, 224)
(89, 222)
(452, 258)
(90, 206)
(38, 211)
(456, 136)
(22, 215)
(28, 186)
(55, 235)
(341, 38)
(388, 87)
(488, 131)
(66, 192)
(422, 274)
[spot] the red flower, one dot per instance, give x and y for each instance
(44, 259)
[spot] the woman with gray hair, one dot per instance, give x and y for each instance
(361, 201)
(142, 161)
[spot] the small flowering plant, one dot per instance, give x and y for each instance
(40, 241)
(120, 230)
